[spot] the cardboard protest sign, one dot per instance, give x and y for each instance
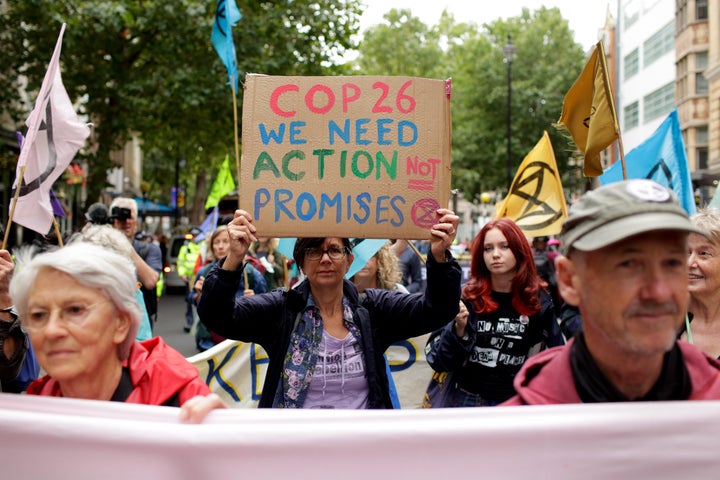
(364, 156)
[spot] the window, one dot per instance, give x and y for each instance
(680, 14)
(701, 9)
(631, 14)
(631, 115)
(681, 75)
(631, 64)
(701, 135)
(701, 158)
(662, 42)
(701, 60)
(701, 63)
(701, 84)
(659, 103)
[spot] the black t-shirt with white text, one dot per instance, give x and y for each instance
(505, 340)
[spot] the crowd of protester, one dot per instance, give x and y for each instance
(621, 306)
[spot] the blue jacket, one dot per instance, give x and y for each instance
(383, 318)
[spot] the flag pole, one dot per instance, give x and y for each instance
(622, 157)
(237, 146)
(611, 101)
(417, 252)
(12, 208)
(286, 276)
(57, 231)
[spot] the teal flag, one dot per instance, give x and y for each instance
(224, 184)
(226, 15)
(661, 158)
(715, 202)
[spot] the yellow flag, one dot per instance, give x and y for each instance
(588, 112)
(536, 201)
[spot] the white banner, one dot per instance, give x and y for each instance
(236, 371)
(46, 437)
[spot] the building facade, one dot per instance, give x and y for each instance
(668, 56)
(645, 48)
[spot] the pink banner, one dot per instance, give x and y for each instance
(80, 439)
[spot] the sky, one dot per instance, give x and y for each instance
(585, 17)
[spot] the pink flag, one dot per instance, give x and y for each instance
(55, 134)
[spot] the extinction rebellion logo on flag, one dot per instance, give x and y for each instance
(537, 213)
(536, 201)
(28, 187)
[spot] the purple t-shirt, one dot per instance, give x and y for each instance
(339, 378)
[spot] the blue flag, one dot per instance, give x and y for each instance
(661, 158)
(226, 15)
(209, 225)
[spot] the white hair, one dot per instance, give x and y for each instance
(90, 265)
(105, 236)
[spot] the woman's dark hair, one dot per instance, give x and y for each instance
(312, 242)
(525, 284)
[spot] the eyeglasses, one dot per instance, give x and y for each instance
(74, 314)
(334, 252)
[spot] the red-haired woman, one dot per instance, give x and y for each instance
(509, 318)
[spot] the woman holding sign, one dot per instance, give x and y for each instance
(326, 342)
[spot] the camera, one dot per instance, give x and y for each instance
(120, 213)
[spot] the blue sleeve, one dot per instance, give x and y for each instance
(145, 331)
(154, 258)
(394, 399)
(28, 373)
(553, 332)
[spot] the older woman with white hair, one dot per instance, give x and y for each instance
(78, 305)
(702, 324)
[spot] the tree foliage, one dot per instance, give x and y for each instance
(148, 68)
(403, 45)
(546, 63)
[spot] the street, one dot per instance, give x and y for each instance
(171, 319)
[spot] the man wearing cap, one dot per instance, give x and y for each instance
(624, 265)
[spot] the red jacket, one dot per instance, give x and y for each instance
(546, 378)
(158, 372)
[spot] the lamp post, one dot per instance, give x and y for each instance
(509, 52)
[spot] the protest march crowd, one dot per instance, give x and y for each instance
(620, 303)
(75, 313)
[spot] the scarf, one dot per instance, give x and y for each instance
(301, 357)
(592, 386)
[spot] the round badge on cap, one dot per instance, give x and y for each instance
(648, 191)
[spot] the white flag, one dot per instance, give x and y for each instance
(55, 134)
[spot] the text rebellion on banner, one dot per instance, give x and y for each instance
(364, 157)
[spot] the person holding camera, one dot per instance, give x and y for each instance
(147, 258)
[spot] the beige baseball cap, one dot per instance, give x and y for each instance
(620, 210)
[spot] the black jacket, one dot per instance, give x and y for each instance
(383, 318)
